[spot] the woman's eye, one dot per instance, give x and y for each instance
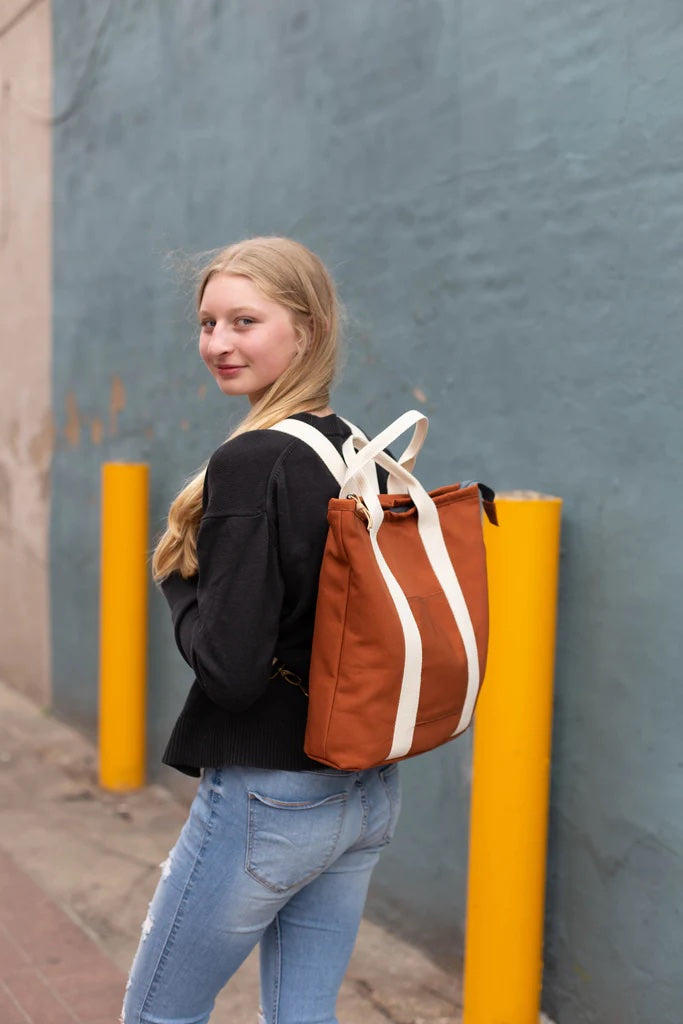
(244, 321)
(208, 325)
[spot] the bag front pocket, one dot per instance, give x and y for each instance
(288, 844)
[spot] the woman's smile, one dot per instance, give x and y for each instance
(229, 371)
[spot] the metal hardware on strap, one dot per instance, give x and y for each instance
(361, 509)
(289, 677)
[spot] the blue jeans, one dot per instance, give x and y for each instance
(272, 857)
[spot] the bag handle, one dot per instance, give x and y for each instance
(357, 466)
(370, 449)
(407, 484)
(371, 468)
(358, 451)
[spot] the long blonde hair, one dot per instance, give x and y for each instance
(289, 273)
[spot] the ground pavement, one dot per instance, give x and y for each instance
(77, 869)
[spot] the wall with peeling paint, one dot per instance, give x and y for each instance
(498, 190)
(26, 429)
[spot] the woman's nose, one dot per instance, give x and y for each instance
(221, 339)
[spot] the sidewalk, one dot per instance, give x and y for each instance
(50, 970)
(78, 867)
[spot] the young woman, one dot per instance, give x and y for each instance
(277, 849)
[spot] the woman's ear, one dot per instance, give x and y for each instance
(305, 332)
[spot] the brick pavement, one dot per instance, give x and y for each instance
(51, 971)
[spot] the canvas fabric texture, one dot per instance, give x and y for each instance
(401, 628)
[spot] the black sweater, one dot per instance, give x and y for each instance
(259, 550)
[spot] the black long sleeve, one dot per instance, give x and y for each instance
(181, 595)
(259, 550)
(227, 629)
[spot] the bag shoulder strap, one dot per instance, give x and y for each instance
(335, 462)
(371, 452)
(318, 442)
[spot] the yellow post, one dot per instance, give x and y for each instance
(511, 767)
(123, 625)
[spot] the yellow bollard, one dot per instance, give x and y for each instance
(511, 767)
(123, 625)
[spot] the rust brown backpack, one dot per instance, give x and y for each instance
(401, 626)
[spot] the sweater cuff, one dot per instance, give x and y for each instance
(177, 590)
(181, 595)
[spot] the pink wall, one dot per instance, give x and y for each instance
(26, 430)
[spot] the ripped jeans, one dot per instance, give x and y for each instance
(279, 858)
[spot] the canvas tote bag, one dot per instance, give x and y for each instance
(401, 626)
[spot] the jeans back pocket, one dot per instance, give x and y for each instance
(288, 844)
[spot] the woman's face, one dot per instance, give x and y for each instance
(246, 340)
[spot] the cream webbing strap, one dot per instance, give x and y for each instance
(371, 468)
(393, 431)
(327, 451)
(337, 464)
(319, 443)
(352, 474)
(431, 535)
(430, 532)
(363, 481)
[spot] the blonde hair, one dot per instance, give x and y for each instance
(289, 273)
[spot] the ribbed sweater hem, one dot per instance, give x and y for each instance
(191, 748)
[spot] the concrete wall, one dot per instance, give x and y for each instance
(497, 189)
(25, 343)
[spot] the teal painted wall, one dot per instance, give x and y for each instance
(497, 189)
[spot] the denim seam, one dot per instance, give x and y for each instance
(178, 916)
(278, 970)
(364, 807)
(387, 836)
